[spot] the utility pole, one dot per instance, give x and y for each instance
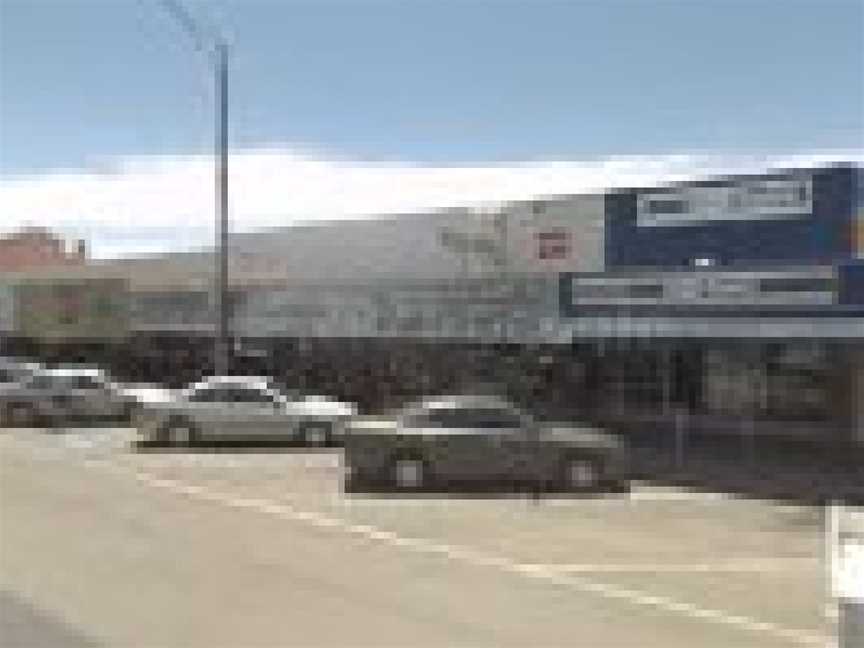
(223, 346)
(217, 48)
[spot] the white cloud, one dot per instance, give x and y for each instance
(150, 204)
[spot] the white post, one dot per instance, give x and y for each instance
(846, 546)
(760, 377)
(673, 412)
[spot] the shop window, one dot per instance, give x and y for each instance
(797, 284)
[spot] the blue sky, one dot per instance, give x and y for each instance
(443, 81)
(95, 87)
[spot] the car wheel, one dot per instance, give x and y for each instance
(129, 413)
(179, 433)
(580, 473)
(315, 435)
(409, 473)
(620, 487)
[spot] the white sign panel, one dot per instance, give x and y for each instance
(746, 200)
(706, 288)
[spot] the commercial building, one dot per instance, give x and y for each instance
(737, 302)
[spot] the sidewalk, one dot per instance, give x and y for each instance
(766, 459)
(771, 475)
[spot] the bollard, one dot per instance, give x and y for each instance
(680, 438)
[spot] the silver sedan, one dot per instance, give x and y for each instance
(241, 409)
(63, 396)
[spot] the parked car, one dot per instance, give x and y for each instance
(14, 371)
(459, 439)
(64, 395)
(242, 408)
(145, 392)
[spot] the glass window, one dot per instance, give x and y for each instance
(13, 375)
(83, 382)
(250, 395)
(43, 382)
(797, 284)
(231, 394)
(485, 418)
(210, 395)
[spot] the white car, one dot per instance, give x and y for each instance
(14, 371)
(64, 395)
(241, 408)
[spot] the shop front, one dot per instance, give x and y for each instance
(757, 353)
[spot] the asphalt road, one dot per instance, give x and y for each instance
(103, 545)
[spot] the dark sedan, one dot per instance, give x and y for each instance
(458, 439)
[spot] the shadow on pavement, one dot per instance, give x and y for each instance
(23, 625)
(233, 447)
(492, 489)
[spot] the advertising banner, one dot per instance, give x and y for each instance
(757, 199)
(58, 309)
(813, 289)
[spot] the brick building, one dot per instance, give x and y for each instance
(38, 247)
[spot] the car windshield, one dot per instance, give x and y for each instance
(53, 381)
(14, 374)
(231, 393)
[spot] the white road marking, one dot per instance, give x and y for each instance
(656, 495)
(750, 565)
(546, 573)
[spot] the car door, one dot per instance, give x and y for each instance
(208, 407)
(72, 396)
(508, 442)
(254, 412)
(92, 399)
(480, 443)
(48, 394)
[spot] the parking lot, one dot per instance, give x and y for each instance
(110, 545)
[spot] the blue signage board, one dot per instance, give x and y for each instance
(793, 217)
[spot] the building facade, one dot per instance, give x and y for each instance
(735, 300)
(738, 301)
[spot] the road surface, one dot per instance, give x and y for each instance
(106, 545)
